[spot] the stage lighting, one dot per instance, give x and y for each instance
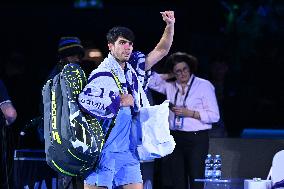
(82, 4)
(93, 54)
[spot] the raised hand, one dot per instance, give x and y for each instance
(168, 17)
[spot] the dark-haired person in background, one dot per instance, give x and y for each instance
(227, 89)
(70, 50)
(8, 115)
(194, 109)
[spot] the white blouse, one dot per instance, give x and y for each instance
(201, 98)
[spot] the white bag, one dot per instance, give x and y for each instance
(153, 134)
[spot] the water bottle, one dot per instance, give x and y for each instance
(217, 164)
(208, 167)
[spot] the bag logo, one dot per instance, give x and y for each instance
(55, 134)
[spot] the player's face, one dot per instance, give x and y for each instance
(121, 49)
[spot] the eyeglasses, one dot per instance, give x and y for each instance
(180, 71)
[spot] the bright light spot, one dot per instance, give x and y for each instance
(95, 53)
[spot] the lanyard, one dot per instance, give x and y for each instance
(189, 87)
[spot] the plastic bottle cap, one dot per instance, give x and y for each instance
(256, 179)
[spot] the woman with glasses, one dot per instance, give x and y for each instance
(193, 108)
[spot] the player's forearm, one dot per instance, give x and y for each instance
(162, 48)
(166, 41)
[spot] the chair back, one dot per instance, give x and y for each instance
(277, 169)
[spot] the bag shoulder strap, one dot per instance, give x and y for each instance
(118, 83)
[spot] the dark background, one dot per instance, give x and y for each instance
(248, 36)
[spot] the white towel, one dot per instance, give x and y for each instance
(100, 96)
